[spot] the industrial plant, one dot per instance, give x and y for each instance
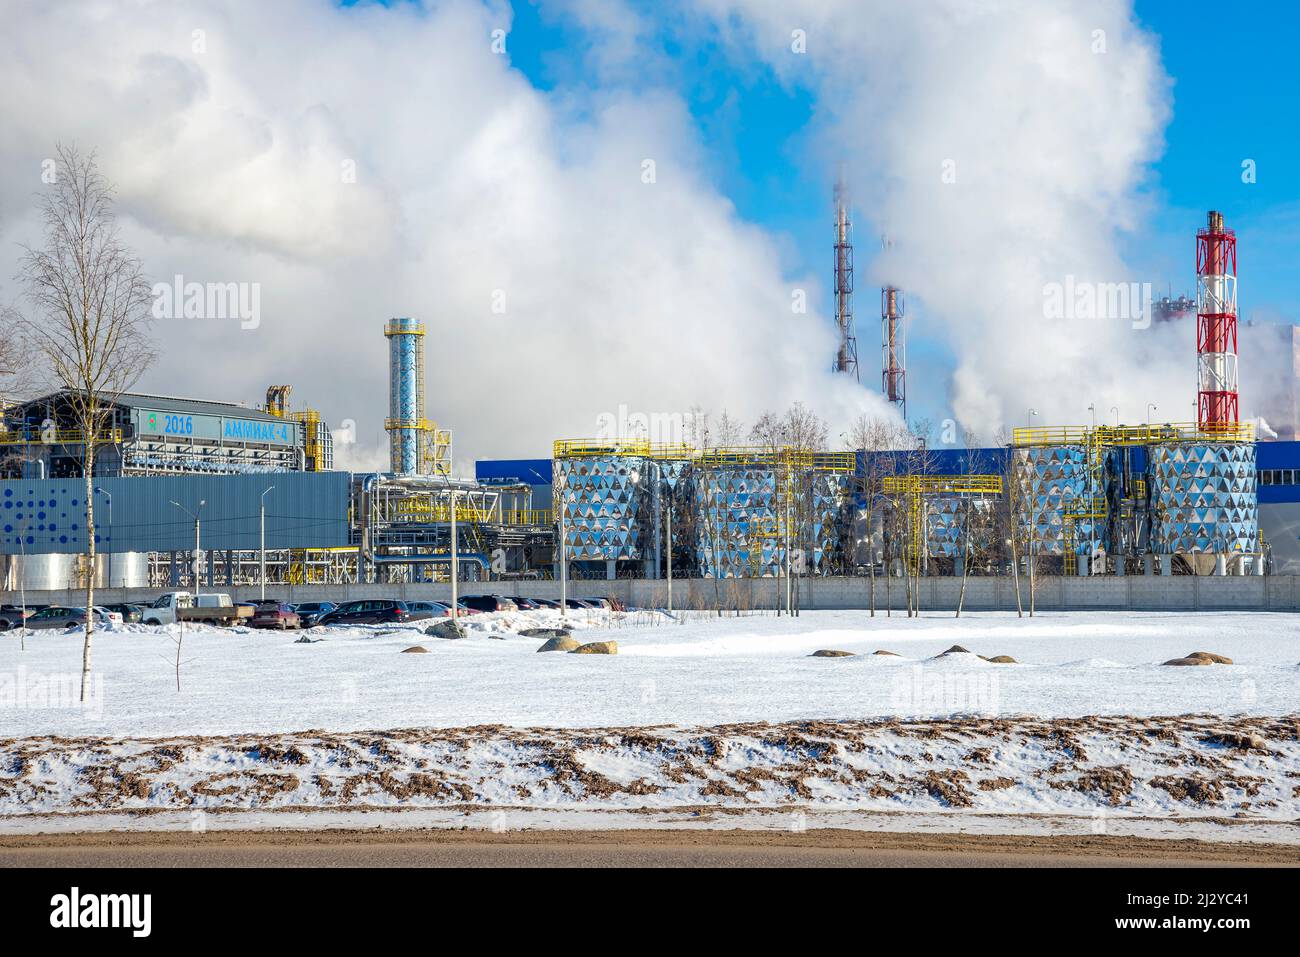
(207, 492)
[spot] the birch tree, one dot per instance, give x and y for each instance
(88, 305)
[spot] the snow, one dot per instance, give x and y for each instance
(683, 727)
(703, 671)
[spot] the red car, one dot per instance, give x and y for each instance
(275, 615)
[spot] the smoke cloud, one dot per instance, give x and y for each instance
(566, 251)
(1005, 149)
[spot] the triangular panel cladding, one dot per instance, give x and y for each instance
(1056, 485)
(1203, 498)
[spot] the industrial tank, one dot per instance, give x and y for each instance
(1203, 498)
(1060, 497)
(601, 496)
(49, 571)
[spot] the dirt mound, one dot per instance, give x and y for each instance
(1190, 788)
(1239, 742)
(1001, 660)
(891, 654)
(954, 650)
(831, 653)
(1189, 661)
(415, 650)
(1115, 784)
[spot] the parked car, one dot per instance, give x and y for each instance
(526, 604)
(60, 616)
(464, 608)
(426, 609)
(131, 614)
(489, 603)
(606, 601)
(367, 611)
(275, 614)
(11, 616)
(310, 611)
(578, 603)
(545, 602)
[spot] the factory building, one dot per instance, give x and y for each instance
(161, 435)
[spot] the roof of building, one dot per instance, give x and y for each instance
(171, 403)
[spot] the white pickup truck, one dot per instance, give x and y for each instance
(215, 608)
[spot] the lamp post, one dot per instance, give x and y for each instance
(194, 515)
(1115, 409)
(1030, 537)
(110, 533)
(455, 558)
(261, 559)
(1151, 407)
(1091, 408)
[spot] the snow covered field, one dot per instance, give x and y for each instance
(716, 722)
(707, 671)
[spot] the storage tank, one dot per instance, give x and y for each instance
(600, 493)
(50, 571)
(1060, 497)
(1203, 499)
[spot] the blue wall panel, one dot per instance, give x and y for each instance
(304, 509)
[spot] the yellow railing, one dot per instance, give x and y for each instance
(1153, 434)
(589, 448)
(58, 437)
(714, 457)
(427, 511)
(942, 484)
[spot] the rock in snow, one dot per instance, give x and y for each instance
(596, 648)
(831, 653)
(1211, 656)
(560, 643)
(451, 628)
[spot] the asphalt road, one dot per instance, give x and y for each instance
(821, 848)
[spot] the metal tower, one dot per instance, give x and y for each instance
(1216, 324)
(846, 358)
(893, 347)
(415, 445)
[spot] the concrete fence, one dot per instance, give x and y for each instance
(1069, 593)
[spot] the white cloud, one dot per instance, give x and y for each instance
(469, 184)
(1050, 142)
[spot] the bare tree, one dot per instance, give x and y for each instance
(89, 303)
(968, 506)
(873, 437)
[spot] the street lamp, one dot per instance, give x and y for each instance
(1151, 407)
(1093, 409)
(194, 515)
(261, 560)
(1115, 409)
(110, 534)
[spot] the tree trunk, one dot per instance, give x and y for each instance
(89, 472)
(965, 563)
(1015, 570)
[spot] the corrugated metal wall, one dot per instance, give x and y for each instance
(304, 510)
